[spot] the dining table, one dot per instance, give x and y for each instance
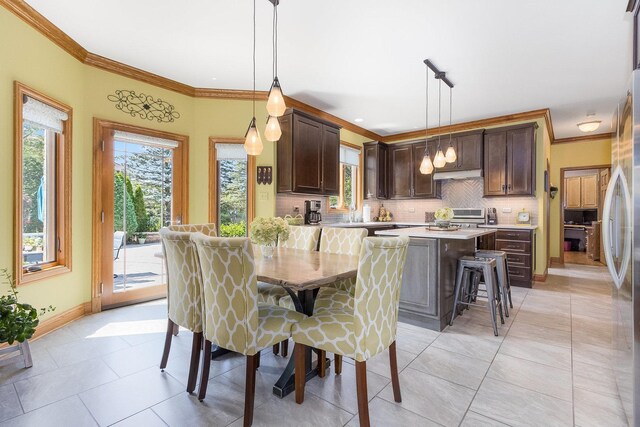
(302, 273)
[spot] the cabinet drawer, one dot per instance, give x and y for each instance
(520, 260)
(519, 273)
(513, 246)
(513, 235)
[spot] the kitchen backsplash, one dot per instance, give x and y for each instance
(455, 193)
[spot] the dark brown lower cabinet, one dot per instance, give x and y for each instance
(519, 246)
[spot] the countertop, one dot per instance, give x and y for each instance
(461, 234)
(510, 226)
(370, 224)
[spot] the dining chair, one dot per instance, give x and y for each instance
(233, 318)
(303, 238)
(208, 229)
(184, 296)
(364, 331)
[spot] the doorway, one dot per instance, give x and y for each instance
(139, 187)
(582, 191)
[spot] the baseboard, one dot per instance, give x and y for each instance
(556, 260)
(59, 320)
(541, 277)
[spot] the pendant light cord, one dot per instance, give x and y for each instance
(439, 109)
(426, 114)
(254, 59)
(450, 107)
(275, 39)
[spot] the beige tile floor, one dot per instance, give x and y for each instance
(549, 366)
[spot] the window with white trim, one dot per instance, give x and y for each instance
(349, 180)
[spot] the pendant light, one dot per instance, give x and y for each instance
(426, 167)
(450, 155)
(272, 132)
(252, 142)
(275, 103)
(439, 159)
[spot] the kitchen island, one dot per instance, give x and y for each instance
(426, 296)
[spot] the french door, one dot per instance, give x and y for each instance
(142, 189)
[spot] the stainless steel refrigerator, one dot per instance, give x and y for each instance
(621, 240)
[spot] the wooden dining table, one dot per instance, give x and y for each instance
(302, 273)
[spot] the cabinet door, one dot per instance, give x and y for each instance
(589, 191)
(307, 155)
(370, 187)
(423, 185)
(400, 172)
(383, 172)
(521, 162)
(572, 192)
(284, 176)
(330, 161)
(495, 163)
(419, 290)
(469, 152)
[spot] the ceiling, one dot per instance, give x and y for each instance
(362, 59)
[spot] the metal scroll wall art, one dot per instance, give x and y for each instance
(144, 106)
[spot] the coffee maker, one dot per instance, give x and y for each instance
(312, 212)
(492, 216)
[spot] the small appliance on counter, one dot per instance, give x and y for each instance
(312, 213)
(492, 216)
(366, 213)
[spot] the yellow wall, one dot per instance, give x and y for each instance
(573, 154)
(33, 60)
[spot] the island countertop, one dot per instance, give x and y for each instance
(461, 234)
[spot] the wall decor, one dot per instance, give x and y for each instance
(144, 106)
(265, 175)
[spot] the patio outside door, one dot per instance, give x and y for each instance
(141, 193)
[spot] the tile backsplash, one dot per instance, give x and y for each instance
(455, 193)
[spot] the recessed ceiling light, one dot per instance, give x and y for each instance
(214, 78)
(358, 120)
(589, 126)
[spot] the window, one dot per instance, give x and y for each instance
(349, 180)
(43, 187)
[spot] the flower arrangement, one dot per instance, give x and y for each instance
(444, 214)
(266, 230)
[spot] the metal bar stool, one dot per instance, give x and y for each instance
(502, 267)
(467, 286)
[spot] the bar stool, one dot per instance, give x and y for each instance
(468, 284)
(502, 267)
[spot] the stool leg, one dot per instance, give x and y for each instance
(502, 283)
(490, 285)
(498, 291)
(456, 292)
(506, 269)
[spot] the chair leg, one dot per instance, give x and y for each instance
(338, 364)
(196, 345)
(284, 348)
(176, 330)
(322, 363)
(276, 349)
(361, 387)
(395, 381)
(167, 344)
(206, 365)
(250, 388)
(300, 375)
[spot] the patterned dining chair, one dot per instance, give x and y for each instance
(233, 318)
(364, 331)
(184, 296)
(208, 229)
(303, 238)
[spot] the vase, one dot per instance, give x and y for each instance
(267, 250)
(442, 223)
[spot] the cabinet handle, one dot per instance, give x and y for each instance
(503, 187)
(509, 187)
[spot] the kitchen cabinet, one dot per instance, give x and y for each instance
(308, 155)
(592, 242)
(405, 179)
(581, 192)
(468, 148)
(520, 248)
(509, 161)
(486, 242)
(375, 159)
(424, 186)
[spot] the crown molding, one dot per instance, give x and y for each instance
(37, 21)
(584, 138)
(475, 124)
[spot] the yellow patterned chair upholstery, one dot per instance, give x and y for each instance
(184, 295)
(366, 330)
(208, 229)
(233, 319)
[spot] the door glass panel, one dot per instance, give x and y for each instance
(232, 197)
(142, 205)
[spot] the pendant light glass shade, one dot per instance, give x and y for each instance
(272, 132)
(275, 104)
(450, 156)
(439, 159)
(252, 141)
(426, 167)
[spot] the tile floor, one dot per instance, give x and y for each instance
(549, 366)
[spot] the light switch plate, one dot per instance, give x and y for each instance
(411, 210)
(506, 210)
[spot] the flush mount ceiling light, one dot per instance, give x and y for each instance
(589, 126)
(358, 120)
(252, 142)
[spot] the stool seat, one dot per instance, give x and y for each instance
(502, 267)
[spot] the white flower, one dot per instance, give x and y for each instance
(444, 214)
(266, 230)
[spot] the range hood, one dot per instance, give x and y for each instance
(475, 173)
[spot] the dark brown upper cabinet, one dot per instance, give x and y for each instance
(510, 161)
(308, 155)
(468, 146)
(424, 186)
(375, 170)
(405, 179)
